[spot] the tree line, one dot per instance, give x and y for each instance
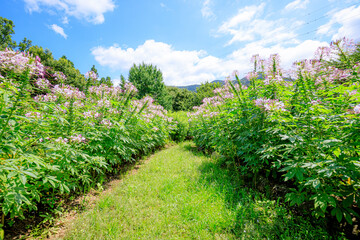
(147, 78)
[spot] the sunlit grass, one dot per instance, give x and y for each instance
(181, 194)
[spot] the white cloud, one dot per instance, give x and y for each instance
(344, 23)
(206, 11)
(65, 20)
(248, 26)
(244, 15)
(297, 4)
(193, 67)
(162, 5)
(90, 10)
(58, 30)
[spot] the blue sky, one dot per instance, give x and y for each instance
(190, 41)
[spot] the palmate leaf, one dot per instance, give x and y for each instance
(338, 213)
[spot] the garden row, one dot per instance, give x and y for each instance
(56, 140)
(301, 126)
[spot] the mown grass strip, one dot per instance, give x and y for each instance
(181, 194)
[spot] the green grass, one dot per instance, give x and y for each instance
(181, 194)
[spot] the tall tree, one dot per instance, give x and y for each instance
(93, 68)
(6, 30)
(24, 45)
(149, 81)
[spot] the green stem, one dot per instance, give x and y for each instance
(24, 78)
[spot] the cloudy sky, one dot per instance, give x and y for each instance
(190, 41)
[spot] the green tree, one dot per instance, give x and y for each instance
(45, 55)
(122, 81)
(181, 99)
(106, 81)
(64, 65)
(6, 30)
(74, 77)
(149, 81)
(93, 68)
(24, 45)
(204, 91)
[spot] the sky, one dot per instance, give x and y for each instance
(190, 41)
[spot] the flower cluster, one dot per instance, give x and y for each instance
(46, 98)
(36, 115)
(91, 75)
(357, 109)
(92, 114)
(67, 91)
(103, 103)
(106, 122)
(59, 75)
(42, 83)
(105, 91)
(129, 87)
(76, 104)
(77, 139)
(269, 79)
(62, 140)
(20, 61)
(270, 104)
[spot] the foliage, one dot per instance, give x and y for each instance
(56, 140)
(182, 99)
(73, 76)
(180, 126)
(24, 45)
(205, 91)
(149, 81)
(304, 131)
(6, 30)
(106, 81)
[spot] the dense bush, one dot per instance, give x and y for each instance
(304, 130)
(56, 139)
(180, 126)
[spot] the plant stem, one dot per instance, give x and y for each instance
(25, 79)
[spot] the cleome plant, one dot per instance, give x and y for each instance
(56, 140)
(300, 126)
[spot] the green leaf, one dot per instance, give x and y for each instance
(27, 172)
(316, 183)
(22, 178)
(348, 217)
(338, 214)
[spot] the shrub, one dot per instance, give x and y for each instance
(303, 129)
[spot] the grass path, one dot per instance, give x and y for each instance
(181, 194)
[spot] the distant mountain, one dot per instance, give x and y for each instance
(222, 82)
(190, 87)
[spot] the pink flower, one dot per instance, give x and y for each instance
(106, 122)
(61, 140)
(357, 109)
(36, 115)
(78, 138)
(68, 91)
(91, 75)
(59, 75)
(103, 103)
(129, 87)
(46, 98)
(252, 75)
(42, 83)
(270, 104)
(352, 93)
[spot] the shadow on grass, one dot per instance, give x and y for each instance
(257, 217)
